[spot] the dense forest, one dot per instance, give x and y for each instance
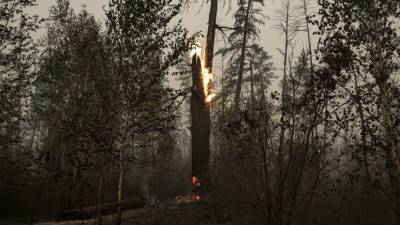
(136, 120)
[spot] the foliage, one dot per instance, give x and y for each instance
(17, 53)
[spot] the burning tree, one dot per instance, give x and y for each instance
(202, 94)
(200, 105)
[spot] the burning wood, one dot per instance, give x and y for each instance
(206, 74)
(195, 188)
(195, 182)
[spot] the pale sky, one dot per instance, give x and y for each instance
(195, 19)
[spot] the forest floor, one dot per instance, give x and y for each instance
(174, 213)
(328, 210)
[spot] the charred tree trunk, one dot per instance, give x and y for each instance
(200, 113)
(212, 24)
(200, 116)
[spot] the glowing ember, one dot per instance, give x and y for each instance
(208, 85)
(195, 184)
(195, 197)
(195, 181)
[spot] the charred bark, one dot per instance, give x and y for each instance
(212, 24)
(200, 129)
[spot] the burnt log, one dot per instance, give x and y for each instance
(200, 131)
(105, 209)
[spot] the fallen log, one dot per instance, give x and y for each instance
(106, 208)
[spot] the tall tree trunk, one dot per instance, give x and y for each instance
(101, 181)
(200, 113)
(307, 20)
(311, 79)
(121, 169)
(200, 129)
(242, 59)
(212, 24)
(99, 199)
(252, 95)
(280, 179)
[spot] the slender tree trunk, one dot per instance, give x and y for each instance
(223, 94)
(311, 77)
(252, 97)
(293, 110)
(120, 182)
(102, 174)
(99, 199)
(263, 136)
(283, 121)
(307, 20)
(242, 59)
(284, 83)
(121, 170)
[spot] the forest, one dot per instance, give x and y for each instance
(137, 120)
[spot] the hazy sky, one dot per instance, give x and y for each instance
(195, 19)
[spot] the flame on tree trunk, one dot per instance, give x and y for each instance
(200, 129)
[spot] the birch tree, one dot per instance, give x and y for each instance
(145, 44)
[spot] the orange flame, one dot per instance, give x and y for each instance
(207, 75)
(195, 181)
